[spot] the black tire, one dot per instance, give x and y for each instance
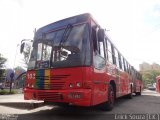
(108, 106)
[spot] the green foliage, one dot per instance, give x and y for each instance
(2, 60)
(6, 92)
(149, 77)
(2, 72)
(2, 75)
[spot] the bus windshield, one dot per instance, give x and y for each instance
(54, 51)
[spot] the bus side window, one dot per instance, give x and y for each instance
(101, 46)
(113, 54)
(98, 45)
(129, 69)
(120, 63)
(106, 48)
(117, 59)
(124, 63)
(109, 52)
(94, 38)
(101, 38)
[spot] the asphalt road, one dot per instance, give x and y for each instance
(148, 103)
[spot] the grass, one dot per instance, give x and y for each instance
(7, 92)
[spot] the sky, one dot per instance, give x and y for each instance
(132, 25)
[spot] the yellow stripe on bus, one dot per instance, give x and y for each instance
(47, 79)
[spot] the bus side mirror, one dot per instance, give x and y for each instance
(22, 47)
(101, 34)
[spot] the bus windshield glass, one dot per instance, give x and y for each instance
(62, 49)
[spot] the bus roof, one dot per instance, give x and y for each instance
(64, 22)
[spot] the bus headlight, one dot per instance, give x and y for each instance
(32, 86)
(71, 85)
(78, 84)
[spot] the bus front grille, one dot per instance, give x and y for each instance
(49, 96)
(53, 82)
(52, 85)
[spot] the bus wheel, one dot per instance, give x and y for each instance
(108, 106)
(139, 93)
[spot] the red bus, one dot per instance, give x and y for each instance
(158, 84)
(74, 62)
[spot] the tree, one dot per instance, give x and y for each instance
(2, 60)
(149, 77)
(2, 75)
(2, 71)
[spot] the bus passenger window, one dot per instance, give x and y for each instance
(98, 46)
(110, 57)
(124, 64)
(120, 63)
(116, 57)
(113, 55)
(109, 46)
(129, 69)
(94, 38)
(101, 45)
(106, 48)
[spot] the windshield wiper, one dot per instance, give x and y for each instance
(66, 34)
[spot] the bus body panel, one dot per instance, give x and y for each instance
(100, 85)
(138, 86)
(79, 97)
(59, 83)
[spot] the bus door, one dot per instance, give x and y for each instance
(99, 68)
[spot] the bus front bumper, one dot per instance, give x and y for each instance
(79, 97)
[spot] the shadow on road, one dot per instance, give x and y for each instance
(22, 105)
(70, 113)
